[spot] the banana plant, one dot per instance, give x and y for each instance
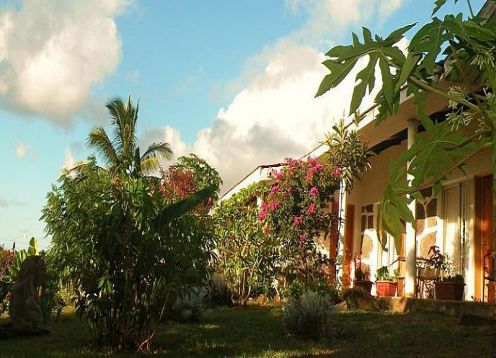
(19, 257)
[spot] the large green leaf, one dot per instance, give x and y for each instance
(428, 41)
(182, 207)
(382, 53)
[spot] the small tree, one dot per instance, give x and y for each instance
(122, 245)
(189, 174)
(294, 213)
(465, 78)
(247, 257)
(123, 249)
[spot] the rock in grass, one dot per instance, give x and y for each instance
(359, 299)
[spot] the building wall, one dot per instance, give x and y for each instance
(451, 227)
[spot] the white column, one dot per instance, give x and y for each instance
(341, 228)
(410, 239)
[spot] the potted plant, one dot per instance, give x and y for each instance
(362, 280)
(450, 286)
(386, 284)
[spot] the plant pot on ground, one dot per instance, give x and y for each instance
(386, 285)
(362, 280)
(450, 288)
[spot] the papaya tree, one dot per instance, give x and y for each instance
(452, 57)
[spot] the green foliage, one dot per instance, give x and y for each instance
(295, 213)
(310, 316)
(127, 251)
(347, 152)
(382, 274)
(247, 257)
(19, 257)
(6, 259)
(203, 174)
(467, 48)
(121, 154)
(124, 250)
(381, 52)
(360, 275)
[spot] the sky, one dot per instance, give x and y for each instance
(232, 81)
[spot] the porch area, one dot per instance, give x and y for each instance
(451, 308)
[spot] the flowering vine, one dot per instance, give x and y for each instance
(296, 212)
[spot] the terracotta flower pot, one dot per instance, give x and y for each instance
(386, 288)
(449, 290)
(365, 284)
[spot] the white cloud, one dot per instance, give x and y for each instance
(52, 52)
(388, 7)
(274, 114)
(21, 150)
(69, 160)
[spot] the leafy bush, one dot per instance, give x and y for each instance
(6, 259)
(247, 257)
(310, 316)
(218, 291)
(124, 247)
(294, 214)
(124, 250)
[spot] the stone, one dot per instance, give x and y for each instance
(359, 298)
(25, 312)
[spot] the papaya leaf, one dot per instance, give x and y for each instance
(429, 41)
(366, 79)
(382, 53)
(438, 4)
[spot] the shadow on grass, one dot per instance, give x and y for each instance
(257, 332)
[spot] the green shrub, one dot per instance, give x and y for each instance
(309, 316)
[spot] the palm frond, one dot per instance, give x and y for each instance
(149, 164)
(123, 118)
(158, 150)
(99, 140)
(79, 169)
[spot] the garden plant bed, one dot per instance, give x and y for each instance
(257, 332)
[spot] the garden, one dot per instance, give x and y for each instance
(145, 258)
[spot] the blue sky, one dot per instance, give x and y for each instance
(230, 80)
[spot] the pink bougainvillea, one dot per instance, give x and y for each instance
(337, 172)
(293, 208)
(297, 220)
(312, 209)
(314, 191)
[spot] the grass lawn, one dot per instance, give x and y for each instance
(256, 332)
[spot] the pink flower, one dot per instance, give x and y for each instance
(310, 173)
(312, 161)
(297, 220)
(314, 191)
(262, 214)
(336, 172)
(312, 208)
(303, 237)
(273, 205)
(274, 190)
(277, 174)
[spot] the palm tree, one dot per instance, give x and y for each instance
(121, 154)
